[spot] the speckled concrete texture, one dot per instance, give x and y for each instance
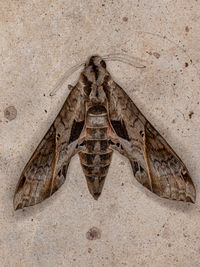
(127, 226)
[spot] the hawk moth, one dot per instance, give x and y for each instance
(97, 118)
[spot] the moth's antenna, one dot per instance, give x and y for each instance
(65, 77)
(133, 61)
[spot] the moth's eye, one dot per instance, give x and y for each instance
(103, 64)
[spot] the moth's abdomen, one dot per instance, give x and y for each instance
(96, 157)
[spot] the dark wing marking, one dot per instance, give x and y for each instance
(46, 170)
(77, 128)
(120, 129)
(154, 163)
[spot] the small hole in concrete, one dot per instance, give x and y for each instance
(93, 233)
(125, 19)
(10, 113)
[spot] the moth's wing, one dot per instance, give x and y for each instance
(46, 170)
(155, 165)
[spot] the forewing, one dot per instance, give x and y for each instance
(46, 170)
(154, 163)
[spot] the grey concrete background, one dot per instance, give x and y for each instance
(39, 41)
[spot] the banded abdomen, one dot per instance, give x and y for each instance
(96, 157)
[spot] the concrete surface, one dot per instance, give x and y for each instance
(128, 226)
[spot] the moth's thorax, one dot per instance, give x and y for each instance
(96, 157)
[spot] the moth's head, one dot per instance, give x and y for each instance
(96, 62)
(92, 78)
(95, 70)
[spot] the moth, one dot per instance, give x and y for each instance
(97, 118)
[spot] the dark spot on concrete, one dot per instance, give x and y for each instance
(169, 245)
(89, 250)
(10, 113)
(173, 121)
(93, 234)
(45, 110)
(125, 19)
(44, 95)
(156, 55)
(187, 29)
(186, 64)
(191, 114)
(122, 184)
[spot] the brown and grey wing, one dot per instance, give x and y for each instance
(46, 170)
(154, 163)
